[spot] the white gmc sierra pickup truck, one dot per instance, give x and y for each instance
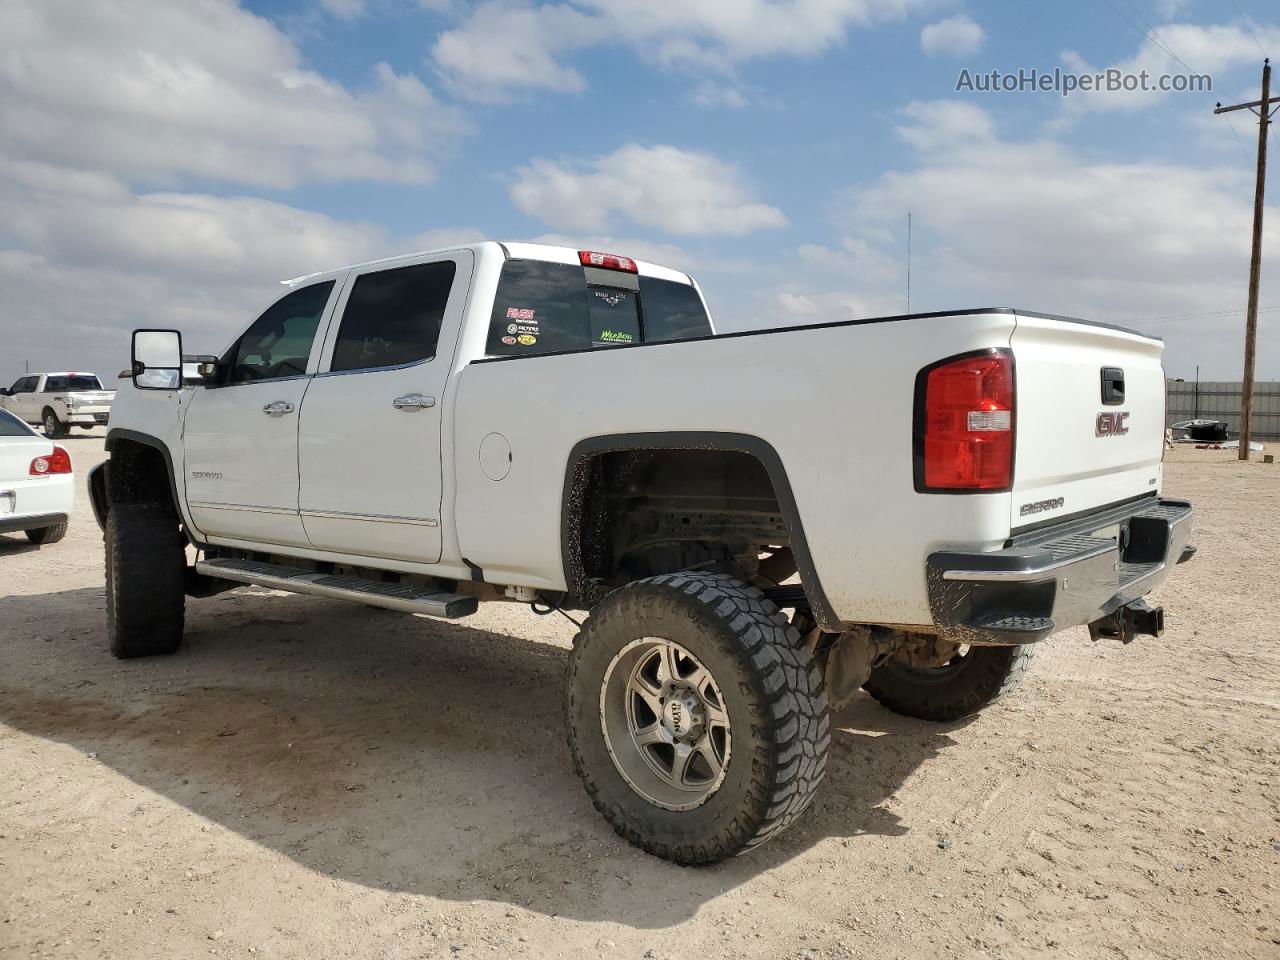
(59, 401)
(931, 496)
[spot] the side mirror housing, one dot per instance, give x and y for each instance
(156, 360)
(199, 370)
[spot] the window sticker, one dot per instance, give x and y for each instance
(615, 336)
(519, 313)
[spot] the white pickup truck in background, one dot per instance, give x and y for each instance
(59, 401)
(563, 428)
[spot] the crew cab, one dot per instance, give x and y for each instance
(758, 524)
(59, 401)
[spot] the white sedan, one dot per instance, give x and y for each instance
(37, 487)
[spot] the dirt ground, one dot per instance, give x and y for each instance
(312, 779)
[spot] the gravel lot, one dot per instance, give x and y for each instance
(312, 779)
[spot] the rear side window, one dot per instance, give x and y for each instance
(549, 307)
(279, 342)
(672, 311)
(393, 317)
(11, 426)
(540, 308)
(73, 382)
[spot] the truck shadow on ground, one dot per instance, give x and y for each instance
(12, 544)
(396, 752)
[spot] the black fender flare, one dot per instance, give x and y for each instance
(98, 494)
(98, 475)
(584, 450)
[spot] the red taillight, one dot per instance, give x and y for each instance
(607, 261)
(964, 424)
(57, 462)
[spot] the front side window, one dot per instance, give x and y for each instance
(11, 426)
(78, 381)
(279, 342)
(393, 317)
(24, 385)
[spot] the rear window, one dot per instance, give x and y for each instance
(73, 382)
(672, 311)
(393, 317)
(11, 426)
(545, 307)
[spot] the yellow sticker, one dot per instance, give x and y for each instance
(527, 340)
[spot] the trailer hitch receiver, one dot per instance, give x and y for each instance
(1134, 619)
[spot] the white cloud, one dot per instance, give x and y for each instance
(939, 124)
(1171, 9)
(1037, 225)
(1210, 50)
(503, 46)
(344, 9)
(508, 45)
(165, 91)
(958, 36)
(678, 191)
(710, 93)
(84, 259)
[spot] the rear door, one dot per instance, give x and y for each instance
(369, 460)
(241, 434)
(1090, 418)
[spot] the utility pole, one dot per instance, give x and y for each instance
(1263, 109)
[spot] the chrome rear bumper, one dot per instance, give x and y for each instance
(1080, 572)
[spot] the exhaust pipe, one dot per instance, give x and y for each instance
(1134, 619)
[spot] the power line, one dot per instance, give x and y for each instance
(1155, 37)
(1159, 44)
(1175, 318)
(1234, 133)
(1249, 26)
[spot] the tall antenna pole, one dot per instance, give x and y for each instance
(908, 261)
(1263, 109)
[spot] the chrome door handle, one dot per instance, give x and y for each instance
(278, 409)
(413, 401)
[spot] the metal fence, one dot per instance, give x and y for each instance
(1215, 400)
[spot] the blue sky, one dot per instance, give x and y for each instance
(166, 169)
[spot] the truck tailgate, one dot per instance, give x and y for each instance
(1080, 444)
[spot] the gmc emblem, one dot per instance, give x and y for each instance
(1111, 425)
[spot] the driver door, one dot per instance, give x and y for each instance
(22, 399)
(241, 434)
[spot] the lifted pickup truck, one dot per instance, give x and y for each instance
(59, 401)
(564, 429)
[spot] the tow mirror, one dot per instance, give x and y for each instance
(157, 359)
